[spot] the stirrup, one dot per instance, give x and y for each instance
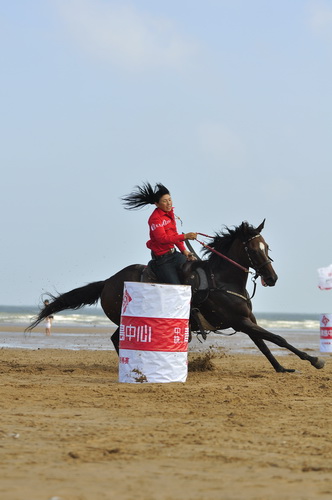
(198, 318)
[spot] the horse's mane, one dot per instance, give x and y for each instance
(224, 239)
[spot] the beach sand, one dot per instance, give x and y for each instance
(70, 431)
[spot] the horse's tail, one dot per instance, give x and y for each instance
(75, 299)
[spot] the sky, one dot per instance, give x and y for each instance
(226, 102)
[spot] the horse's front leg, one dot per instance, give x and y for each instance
(258, 333)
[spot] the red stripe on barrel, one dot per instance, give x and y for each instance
(154, 334)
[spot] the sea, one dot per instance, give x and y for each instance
(23, 315)
(88, 328)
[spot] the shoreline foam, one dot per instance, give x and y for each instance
(98, 338)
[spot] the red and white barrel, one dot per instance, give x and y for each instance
(326, 333)
(154, 332)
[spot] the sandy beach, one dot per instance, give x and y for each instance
(70, 431)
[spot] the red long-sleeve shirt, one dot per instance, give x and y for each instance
(163, 232)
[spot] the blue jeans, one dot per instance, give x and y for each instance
(167, 267)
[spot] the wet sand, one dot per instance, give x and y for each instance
(70, 431)
(98, 338)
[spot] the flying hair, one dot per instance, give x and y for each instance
(144, 195)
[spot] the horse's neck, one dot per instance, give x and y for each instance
(229, 272)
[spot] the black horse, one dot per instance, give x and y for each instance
(219, 296)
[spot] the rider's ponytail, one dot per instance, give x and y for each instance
(144, 195)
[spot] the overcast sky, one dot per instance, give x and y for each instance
(226, 102)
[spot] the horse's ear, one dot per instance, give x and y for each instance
(260, 227)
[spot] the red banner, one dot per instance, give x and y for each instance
(326, 333)
(154, 334)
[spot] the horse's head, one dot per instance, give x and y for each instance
(258, 253)
(245, 246)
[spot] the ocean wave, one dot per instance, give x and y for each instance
(12, 315)
(305, 324)
(94, 316)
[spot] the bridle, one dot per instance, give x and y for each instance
(245, 243)
(222, 289)
(254, 266)
(244, 269)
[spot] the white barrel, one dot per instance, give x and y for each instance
(154, 333)
(326, 333)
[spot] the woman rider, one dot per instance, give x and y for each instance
(166, 260)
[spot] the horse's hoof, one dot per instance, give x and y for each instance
(319, 363)
(281, 369)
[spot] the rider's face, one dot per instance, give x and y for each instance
(165, 203)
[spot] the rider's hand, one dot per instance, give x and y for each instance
(189, 255)
(190, 236)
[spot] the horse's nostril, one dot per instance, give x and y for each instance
(270, 281)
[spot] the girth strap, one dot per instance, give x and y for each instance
(238, 295)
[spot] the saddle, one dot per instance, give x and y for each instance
(196, 277)
(148, 276)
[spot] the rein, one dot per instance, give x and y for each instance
(254, 278)
(220, 254)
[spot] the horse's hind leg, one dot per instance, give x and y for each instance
(115, 338)
(268, 354)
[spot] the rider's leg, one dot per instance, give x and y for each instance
(167, 267)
